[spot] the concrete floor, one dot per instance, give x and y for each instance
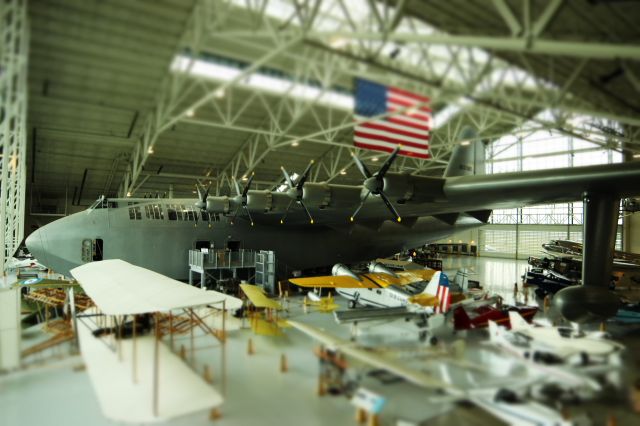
(258, 393)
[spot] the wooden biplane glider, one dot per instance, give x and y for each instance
(161, 386)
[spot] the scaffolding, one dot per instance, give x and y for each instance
(14, 42)
(210, 263)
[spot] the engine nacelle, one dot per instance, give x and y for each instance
(398, 186)
(345, 195)
(218, 205)
(379, 268)
(341, 270)
(259, 200)
(316, 194)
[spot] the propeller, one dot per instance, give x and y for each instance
(374, 183)
(203, 194)
(201, 204)
(296, 191)
(242, 198)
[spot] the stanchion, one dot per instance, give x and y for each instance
(283, 364)
(250, 350)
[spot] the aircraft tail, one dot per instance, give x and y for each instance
(517, 322)
(439, 287)
(468, 157)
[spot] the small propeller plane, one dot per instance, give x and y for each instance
(502, 402)
(578, 378)
(564, 343)
(383, 288)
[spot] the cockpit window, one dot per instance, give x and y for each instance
(103, 203)
(154, 211)
(135, 213)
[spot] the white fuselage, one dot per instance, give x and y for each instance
(388, 297)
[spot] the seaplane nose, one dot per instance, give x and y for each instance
(36, 245)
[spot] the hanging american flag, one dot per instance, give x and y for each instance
(409, 128)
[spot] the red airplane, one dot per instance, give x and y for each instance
(479, 317)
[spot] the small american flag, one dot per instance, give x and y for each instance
(443, 294)
(409, 128)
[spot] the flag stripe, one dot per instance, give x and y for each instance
(400, 102)
(407, 121)
(409, 94)
(418, 115)
(392, 146)
(390, 128)
(383, 136)
(396, 123)
(377, 147)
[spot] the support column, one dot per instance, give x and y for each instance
(599, 238)
(593, 301)
(14, 45)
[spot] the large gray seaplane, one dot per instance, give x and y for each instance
(318, 223)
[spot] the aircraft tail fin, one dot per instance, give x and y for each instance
(468, 157)
(439, 287)
(432, 288)
(517, 322)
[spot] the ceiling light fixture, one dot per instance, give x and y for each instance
(295, 143)
(374, 159)
(465, 143)
(150, 150)
(636, 155)
(190, 112)
(343, 172)
(219, 93)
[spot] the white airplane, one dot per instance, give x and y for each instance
(565, 344)
(499, 401)
(382, 288)
(14, 263)
(573, 380)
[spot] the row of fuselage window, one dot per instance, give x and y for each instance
(179, 212)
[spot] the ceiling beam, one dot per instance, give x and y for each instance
(592, 50)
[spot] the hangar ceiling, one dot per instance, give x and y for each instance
(117, 105)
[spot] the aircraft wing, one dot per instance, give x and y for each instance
(415, 276)
(369, 280)
(330, 281)
(373, 359)
(259, 299)
(373, 314)
(44, 283)
(120, 288)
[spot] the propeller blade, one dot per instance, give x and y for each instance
(235, 214)
(305, 175)
(287, 178)
(286, 212)
(353, 216)
(306, 211)
(385, 167)
(246, 209)
(361, 166)
(247, 186)
(392, 209)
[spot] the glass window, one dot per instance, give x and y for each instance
(135, 213)
(171, 212)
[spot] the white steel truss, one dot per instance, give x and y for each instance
(331, 41)
(13, 112)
